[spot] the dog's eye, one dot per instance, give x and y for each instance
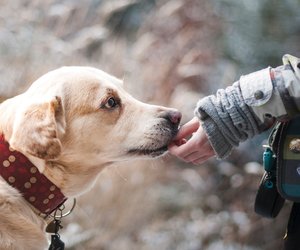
(111, 103)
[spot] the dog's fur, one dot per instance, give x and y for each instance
(70, 128)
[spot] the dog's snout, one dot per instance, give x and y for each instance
(173, 116)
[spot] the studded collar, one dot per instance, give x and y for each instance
(21, 174)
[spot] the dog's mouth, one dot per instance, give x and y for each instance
(149, 152)
(157, 144)
(155, 140)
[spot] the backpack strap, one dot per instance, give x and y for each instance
(292, 237)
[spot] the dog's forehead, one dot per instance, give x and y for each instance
(76, 75)
(89, 76)
(74, 84)
(89, 82)
(99, 82)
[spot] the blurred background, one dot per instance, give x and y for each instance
(169, 52)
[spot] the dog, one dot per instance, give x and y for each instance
(68, 126)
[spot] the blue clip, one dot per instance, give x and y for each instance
(269, 184)
(268, 160)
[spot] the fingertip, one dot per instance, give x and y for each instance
(188, 129)
(183, 141)
(180, 142)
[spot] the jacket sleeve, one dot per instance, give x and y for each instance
(250, 105)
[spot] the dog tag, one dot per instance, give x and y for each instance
(53, 227)
(56, 243)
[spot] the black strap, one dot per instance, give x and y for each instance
(292, 237)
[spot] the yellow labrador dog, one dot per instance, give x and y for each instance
(56, 138)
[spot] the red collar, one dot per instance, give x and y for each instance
(21, 174)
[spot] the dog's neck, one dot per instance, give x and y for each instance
(72, 180)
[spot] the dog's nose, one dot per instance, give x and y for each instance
(174, 117)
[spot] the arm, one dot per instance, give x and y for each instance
(243, 110)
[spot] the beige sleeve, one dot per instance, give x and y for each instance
(274, 92)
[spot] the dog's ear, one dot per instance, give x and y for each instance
(37, 129)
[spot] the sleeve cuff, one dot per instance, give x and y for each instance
(221, 147)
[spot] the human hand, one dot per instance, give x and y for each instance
(197, 149)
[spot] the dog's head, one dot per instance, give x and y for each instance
(81, 114)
